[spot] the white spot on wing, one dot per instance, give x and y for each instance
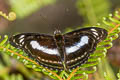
(93, 30)
(44, 49)
(95, 33)
(22, 36)
(21, 40)
(76, 46)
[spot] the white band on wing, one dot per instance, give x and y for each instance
(78, 45)
(44, 49)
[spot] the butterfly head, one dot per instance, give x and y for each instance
(57, 32)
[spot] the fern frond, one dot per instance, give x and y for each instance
(11, 16)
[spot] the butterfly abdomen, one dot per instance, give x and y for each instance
(60, 43)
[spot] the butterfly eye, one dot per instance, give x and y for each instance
(56, 32)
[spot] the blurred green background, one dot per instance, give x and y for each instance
(44, 16)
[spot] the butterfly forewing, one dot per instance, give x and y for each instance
(80, 43)
(39, 46)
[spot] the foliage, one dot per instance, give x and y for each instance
(24, 8)
(118, 76)
(93, 10)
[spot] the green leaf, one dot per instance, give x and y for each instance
(24, 8)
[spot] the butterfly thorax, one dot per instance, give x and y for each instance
(60, 43)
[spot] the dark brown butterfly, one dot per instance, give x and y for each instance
(60, 51)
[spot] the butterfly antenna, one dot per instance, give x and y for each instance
(54, 26)
(58, 25)
(45, 20)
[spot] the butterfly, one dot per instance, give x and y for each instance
(60, 51)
